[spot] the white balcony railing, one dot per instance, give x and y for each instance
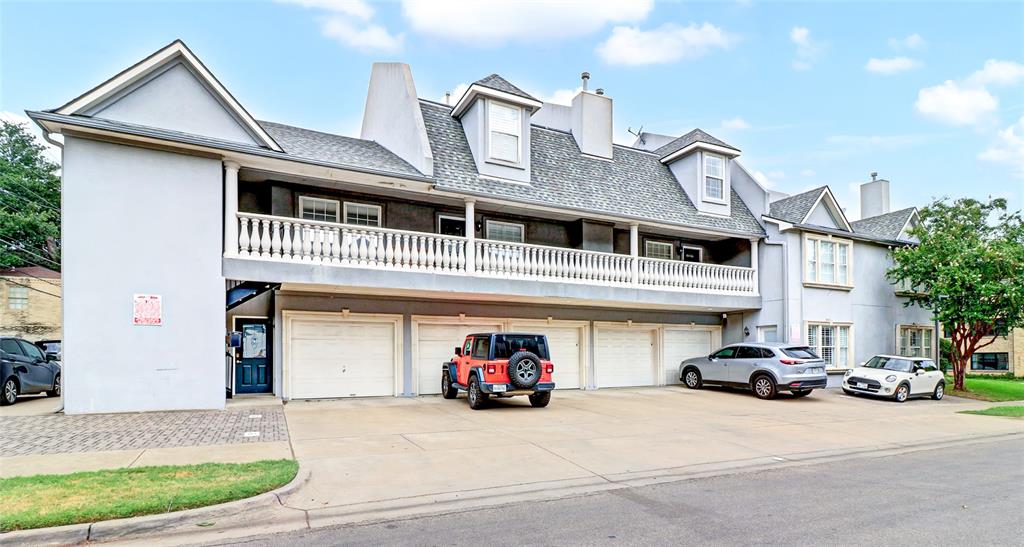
(298, 240)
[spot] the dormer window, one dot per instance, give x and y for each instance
(504, 124)
(714, 177)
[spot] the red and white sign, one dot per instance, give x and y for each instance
(147, 310)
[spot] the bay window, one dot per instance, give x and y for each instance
(831, 342)
(828, 261)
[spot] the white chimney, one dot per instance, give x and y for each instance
(874, 197)
(392, 116)
(592, 121)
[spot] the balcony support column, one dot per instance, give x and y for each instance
(231, 208)
(470, 236)
(634, 251)
(754, 263)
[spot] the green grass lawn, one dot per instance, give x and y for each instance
(55, 500)
(997, 388)
(1009, 411)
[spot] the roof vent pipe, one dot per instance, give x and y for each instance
(874, 175)
(600, 91)
(448, 98)
(586, 78)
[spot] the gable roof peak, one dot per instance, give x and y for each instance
(693, 139)
(496, 87)
(495, 81)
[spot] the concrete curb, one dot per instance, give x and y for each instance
(120, 528)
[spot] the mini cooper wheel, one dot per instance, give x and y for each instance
(477, 398)
(10, 395)
(763, 387)
(448, 391)
(540, 399)
(940, 390)
(902, 393)
(691, 378)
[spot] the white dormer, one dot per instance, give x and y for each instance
(495, 116)
(702, 165)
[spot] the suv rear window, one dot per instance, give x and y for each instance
(507, 344)
(800, 353)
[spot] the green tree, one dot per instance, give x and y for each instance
(968, 269)
(29, 201)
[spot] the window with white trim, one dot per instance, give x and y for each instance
(828, 261)
(505, 231)
(318, 209)
(714, 177)
(915, 341)
(17, 297)
(504, 124)
(831, 342)
(658, 249)
(362, 214)
(691, 253)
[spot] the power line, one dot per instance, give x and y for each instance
(5, 191)
(34, 194)
(31, 288)
(18, 247)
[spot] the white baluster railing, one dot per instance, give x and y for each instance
(267, 237)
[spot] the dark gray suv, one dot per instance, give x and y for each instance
(765, 368)
(24, 368)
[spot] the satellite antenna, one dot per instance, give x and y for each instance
(638, 134)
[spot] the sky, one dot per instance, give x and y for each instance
(929, 95)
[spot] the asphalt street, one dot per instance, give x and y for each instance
(962, 495)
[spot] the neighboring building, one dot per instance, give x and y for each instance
(30, 303)
(824, 279)
(1003, 356)
(352, 267)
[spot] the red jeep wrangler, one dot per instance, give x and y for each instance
(500, 364)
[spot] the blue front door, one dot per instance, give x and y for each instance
(253, 368)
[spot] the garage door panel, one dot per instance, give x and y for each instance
(341, 358)
(624, 357)
(435, 344)
(565, 346)
(682, 344)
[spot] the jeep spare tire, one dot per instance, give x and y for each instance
(524, 369)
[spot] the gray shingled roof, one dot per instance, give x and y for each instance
(887, 226)
(316, 145)
(795, 208)
(634, 185)
(697, 135)
(501, 84)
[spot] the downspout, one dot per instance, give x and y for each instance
(60, 145)
(785, 287)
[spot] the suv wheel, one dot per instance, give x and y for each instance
(763, 387)
(448, 391)
(940, 390)
(691, 377)
(477, 398)
(10, 395)
(524, 369)
(55, 392)
(540, 399)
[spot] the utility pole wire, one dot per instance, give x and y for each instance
(30, 191)
(17, 247)
(13, 282)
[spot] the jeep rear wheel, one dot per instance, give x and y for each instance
(477, 398)
(524, 369)
(448, 391)
(540, 399)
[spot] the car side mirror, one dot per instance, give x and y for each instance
(458, 351)
(918, 371)
(50, 357)
(711, 357)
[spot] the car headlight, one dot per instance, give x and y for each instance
(890, 378)
(848, 372)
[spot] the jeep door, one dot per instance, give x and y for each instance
(478, 357)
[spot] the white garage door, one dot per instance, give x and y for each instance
(565, 350)
(435, 344)
(331, 357)
(680, 344)
(624, 357)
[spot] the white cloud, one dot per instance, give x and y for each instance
(50, 151)
(735, 123)
(560, 96)
(893, 65)
(483, 22)
(914, 41)
(666, 44)
(1008, 149)
(997, 72)
(808, 51)
(955, 104)
(350, 23)
(807, 173)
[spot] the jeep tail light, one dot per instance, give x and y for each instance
(790, 361)
(491, 369)
(549, 369)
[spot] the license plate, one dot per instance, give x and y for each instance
(862, 386)
(815, 370)
(499, 388)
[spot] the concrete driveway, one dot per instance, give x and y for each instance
(380, 453)
(32, 405)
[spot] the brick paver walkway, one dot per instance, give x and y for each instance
(57, 433)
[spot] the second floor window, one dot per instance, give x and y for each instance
(658, 249)
(828, 261)
(362, 214)
(505, 231)
(318, 209)
(714, 177)
(17, 297)
(504, 125)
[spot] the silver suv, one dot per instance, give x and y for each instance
(766, 368)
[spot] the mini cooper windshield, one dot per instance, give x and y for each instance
(890, 363)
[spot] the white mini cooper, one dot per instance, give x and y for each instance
(899, 378)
